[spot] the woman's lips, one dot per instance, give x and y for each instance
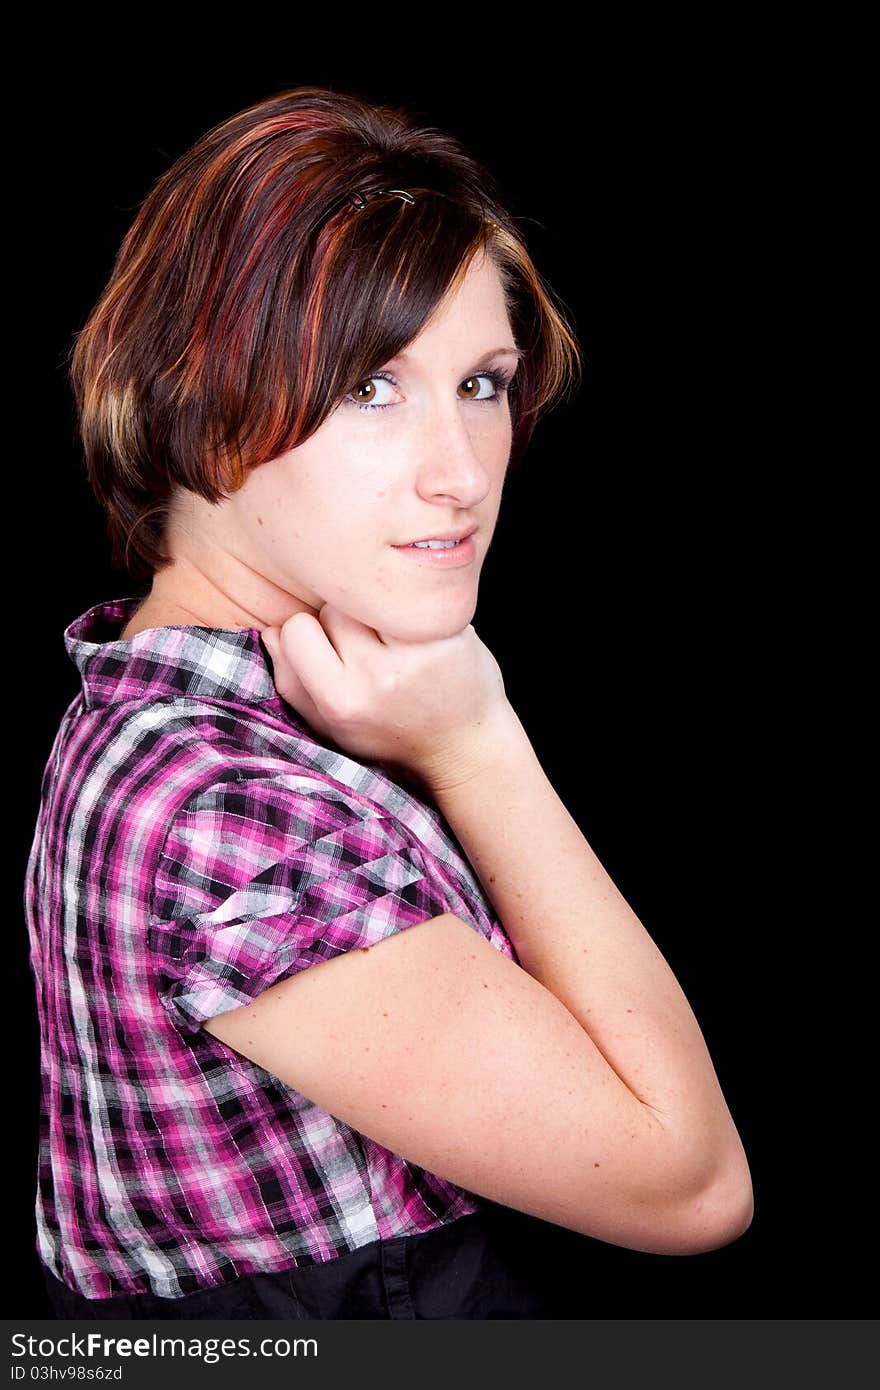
(445, 558)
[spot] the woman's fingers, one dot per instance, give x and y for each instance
(309, 651)
(384, 699)
(285, 676)
(349, 637)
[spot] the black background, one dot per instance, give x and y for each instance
(637, 595)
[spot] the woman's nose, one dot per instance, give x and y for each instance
(454, 467)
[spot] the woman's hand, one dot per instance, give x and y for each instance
(423, 705)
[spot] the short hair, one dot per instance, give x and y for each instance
(249, 296)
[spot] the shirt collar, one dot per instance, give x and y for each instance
(228, 664)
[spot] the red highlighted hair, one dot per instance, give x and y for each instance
(249, 296)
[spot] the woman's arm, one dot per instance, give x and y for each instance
(585, 1097)
(575, 1086)
(574, 932)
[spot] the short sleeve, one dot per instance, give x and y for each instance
(258, 880)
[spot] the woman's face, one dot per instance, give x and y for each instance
(324, 522)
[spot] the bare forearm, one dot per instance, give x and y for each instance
(574, 932)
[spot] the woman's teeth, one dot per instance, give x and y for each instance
(435, 545)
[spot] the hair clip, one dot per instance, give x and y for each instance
(359, 202)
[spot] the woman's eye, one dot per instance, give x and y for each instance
(479, 386)
(472, 384)
(368, 394)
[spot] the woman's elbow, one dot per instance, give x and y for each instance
(719, 1214)
(705, 1205)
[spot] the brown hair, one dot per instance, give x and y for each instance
(249, 296)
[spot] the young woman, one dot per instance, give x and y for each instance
(327, 975)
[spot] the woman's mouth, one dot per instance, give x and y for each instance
(441, 554)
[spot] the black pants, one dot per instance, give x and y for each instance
(493, 1264)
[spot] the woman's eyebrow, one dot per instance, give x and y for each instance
(508, 348)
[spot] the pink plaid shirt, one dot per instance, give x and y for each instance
(196, 843)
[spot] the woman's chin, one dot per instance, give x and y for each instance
(428, 627)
